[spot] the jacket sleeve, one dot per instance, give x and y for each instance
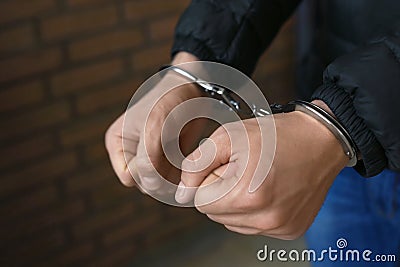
(363, 91)
(233, 32)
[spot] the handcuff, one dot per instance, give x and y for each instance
(236, 104)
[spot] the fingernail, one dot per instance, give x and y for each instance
(184, 194)
(180, 193)
(150, 183)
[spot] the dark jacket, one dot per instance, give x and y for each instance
(362, 86)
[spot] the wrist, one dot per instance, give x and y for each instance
(186, 90)
(324, 106)
(331, 123)
(183, 57)
(321, 141)
(177, 89)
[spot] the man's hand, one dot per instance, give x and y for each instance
(127, 144)
(307, 159)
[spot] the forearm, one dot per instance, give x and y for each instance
(231, 32)
(361, 89)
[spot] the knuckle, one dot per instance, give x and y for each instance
(144, 165)
(243, 231)
(219, 134)
(112, 132)
(257, 231)
(295, 236)
(201, 209)
(292, 236)
(272, 221)
(107, 137)
(195, 162)
(296, 232)
(193, 157)
(188, 164)
(125, 182)
(126, 179)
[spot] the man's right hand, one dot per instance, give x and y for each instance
(137, 143)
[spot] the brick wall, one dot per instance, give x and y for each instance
(67, 69)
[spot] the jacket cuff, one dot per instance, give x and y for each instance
(373, 155)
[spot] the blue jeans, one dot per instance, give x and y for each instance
(366, 213)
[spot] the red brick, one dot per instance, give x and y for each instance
(99, 176)
(43, 172)
(63, 213)
(17, 97)
(102, 221)
(81, 3)
(85, 130)
(112, 193)
(95, 152)
(141, 224)
(104, 44)
(19, 206)
(64, 203)
(148, 203)
(13, 10)
(80, 78)
(73, 254)
(40, 247)
(64, 26)
(28, 149)
(16, 38)
(29, 64)
(108, 97)
(163, 29)
(121, 256)
(28, 250)
(173, 227)
(27, 122)
(151, 58)
(140, 9)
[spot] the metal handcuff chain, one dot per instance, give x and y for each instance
(226, 96)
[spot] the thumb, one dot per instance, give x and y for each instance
(213, 152)
(146, 163)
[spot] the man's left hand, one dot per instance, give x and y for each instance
(307, 159)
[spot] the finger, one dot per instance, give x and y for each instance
(115, 147)
(131, 169)
(212, 153)
(242, 230)
(254, 231)
(233, 219)
(188, 141)
(214, 194)
(264, 222)
(146, 163)
(120, 167)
